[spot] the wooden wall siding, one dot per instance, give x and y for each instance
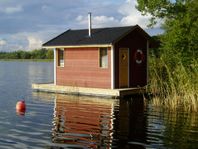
(81, 69)
(138, 72)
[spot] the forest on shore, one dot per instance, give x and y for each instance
(34, 54)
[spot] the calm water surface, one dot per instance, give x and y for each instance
(61, 121)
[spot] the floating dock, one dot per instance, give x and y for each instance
(112, 93)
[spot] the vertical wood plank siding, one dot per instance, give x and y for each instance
(81, 69)
(138, 72)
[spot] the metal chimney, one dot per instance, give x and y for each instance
(89, 23)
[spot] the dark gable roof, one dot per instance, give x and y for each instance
(98, 37)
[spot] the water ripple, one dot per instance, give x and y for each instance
(59, 121)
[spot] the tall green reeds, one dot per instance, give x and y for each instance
(174, 84)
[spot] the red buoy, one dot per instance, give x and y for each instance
(20, 107)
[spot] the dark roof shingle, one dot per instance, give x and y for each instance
(80, 37)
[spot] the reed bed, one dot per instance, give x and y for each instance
(174, 87)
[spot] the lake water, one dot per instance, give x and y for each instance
(60, 121)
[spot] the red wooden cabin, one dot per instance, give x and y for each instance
(109, 58)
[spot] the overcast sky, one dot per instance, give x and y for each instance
(26, 24)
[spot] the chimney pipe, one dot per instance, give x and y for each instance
(89, 20)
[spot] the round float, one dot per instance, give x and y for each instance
(21, 107)
(139, 56)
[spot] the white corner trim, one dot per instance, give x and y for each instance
(112, 68)
(54, 66)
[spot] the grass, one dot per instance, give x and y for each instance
(174, 87)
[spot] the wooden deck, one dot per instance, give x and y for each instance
(112, 93)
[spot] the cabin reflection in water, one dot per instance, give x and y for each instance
(81, 121)
(131, 124)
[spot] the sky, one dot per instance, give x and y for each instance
(27, 24)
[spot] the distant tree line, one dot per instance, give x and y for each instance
(34, 54)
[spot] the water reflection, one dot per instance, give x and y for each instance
(99, 123)
(130, 126)
(39, 69)
(83, 121)
(179, 129)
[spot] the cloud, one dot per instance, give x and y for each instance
(80, 19)
(34, 42)
(97, 21)
(129, 16)
(29, 40)
(101, 21)
(23, 41)
(2, 42)
(27, 24)
(11, 10)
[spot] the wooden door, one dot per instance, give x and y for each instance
(123, 67)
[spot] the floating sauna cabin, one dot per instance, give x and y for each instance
(108, 58)
(109, 61)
